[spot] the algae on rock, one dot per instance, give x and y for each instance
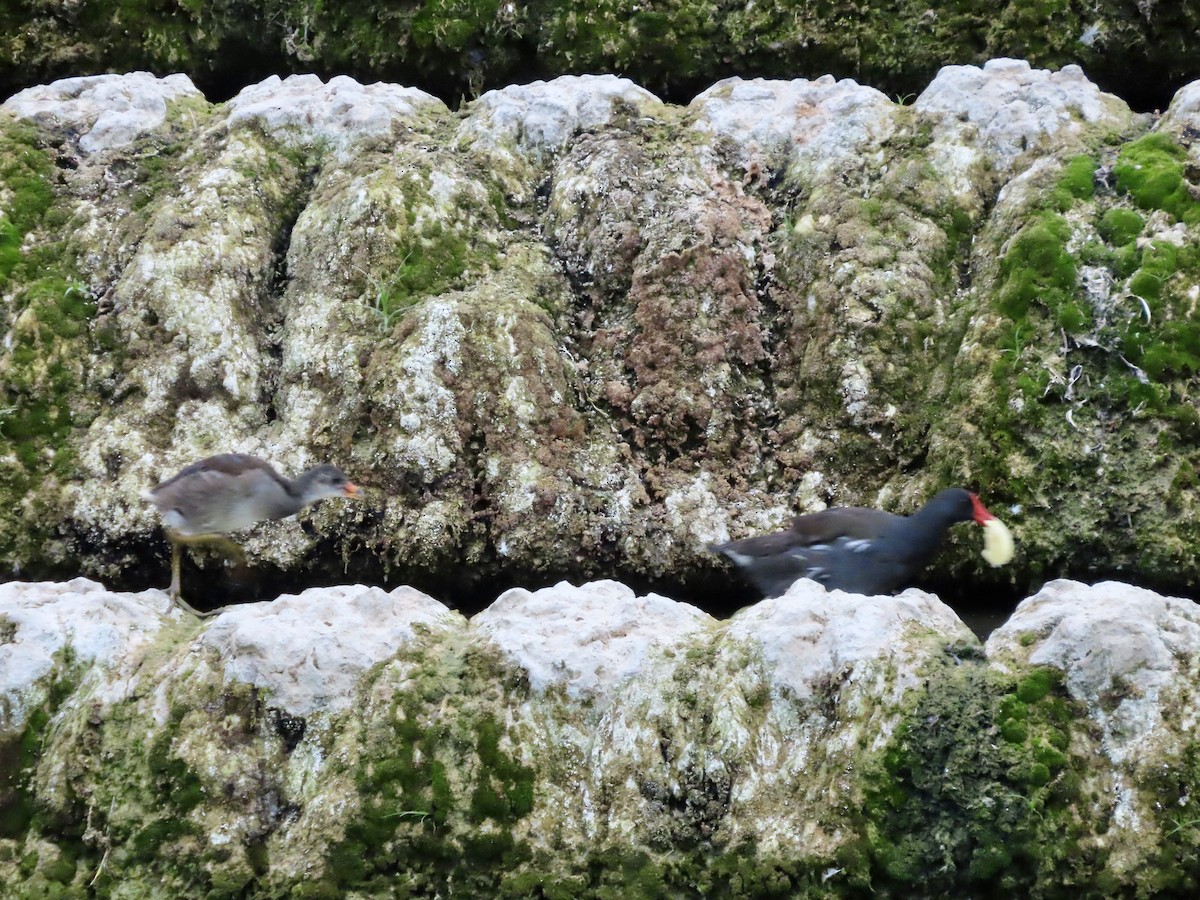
(590, 742)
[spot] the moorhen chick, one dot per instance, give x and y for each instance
(863, 551)
(231, 491)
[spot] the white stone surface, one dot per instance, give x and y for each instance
(1183, 114)
(108, 111)
(589, 639)
(308, 650)
(645, 705)
(1129, 654)
(809, 635)
(342, 111)
(540, 118)
(39, 620)
(996, 112)
(774, 123)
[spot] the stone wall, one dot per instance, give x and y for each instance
(457, 48)
(591, 742)
(574, 331)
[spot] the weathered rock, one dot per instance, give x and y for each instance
(577, 331)
(307, 652)
(307, 111)
(986, 119)
(587, 739)
(804, 128)
(1083, 278)
(104, 112)
(747, 738)
(519, 129)
(51, 632)
(458, 50)
(1129, 659)
(586, 640)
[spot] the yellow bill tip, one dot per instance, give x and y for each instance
(998, 546)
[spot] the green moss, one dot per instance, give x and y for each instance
(47, 345)
(174, 790)
(10, 249)
(759, 697)
(19, 756)
(1120, 226)
(175, 778)
(956, 813)
(38, 414)
(1035, 774)
(430, 265)
(1011, 707)
(1014, 731)
(442, 243)
(1151, 171)
(1158, 263)
(1038, 269)
(1174, 793)
(1164, 338)
(416, 809)
(62, 869)
(1036, 685)
(1051, 757)
(156, 172)
(504, 791)
(26, 173)
(1077, 183)
(668, 44)
(1145, 349)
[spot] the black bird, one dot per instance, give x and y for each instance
(862, 551)
(229, 492)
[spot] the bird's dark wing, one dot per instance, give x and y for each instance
(759, 546)
(814, 529)
(224, 463)
(851, 522)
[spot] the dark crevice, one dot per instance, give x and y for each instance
(277, 284)
(716, 588)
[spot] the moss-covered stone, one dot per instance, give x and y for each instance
(817, 745)
(1119, 226)
(45, 330)
(639, 328)
(20, 749)
(1152, 171)
(1088, 296)
(463, 46)
(976, 793)
(438, 790)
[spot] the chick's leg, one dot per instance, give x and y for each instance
(178, 541)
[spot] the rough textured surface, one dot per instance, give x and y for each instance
(308, 651)
(773, 125)
(457, 49)
(1129, 657)
(333, 114)
(987, 119)
(587, 639)
(105, 111)
(590, 742)
(575, 331)
(50, 628)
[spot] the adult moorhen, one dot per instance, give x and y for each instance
(863, 551)
(231, 491)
